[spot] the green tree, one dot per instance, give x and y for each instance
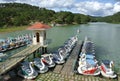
(23, 14)
(77, 18)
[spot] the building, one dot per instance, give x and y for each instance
(39, 34)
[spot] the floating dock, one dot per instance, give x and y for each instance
(68, 67)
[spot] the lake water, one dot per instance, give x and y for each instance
(105, 36)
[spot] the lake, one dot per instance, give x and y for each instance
(105, 36)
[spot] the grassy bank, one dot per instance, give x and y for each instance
(12, 29)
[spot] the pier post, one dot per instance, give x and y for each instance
(34, 54)
(45, 49)
(37, 52)
(42, 50)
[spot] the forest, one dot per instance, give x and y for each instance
(17, 14)
(115, 18)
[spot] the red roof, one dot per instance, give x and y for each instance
(38, 26)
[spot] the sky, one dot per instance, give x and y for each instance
(87, 7)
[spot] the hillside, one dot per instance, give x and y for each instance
(17, 14)
(109, 19)
(113, 19)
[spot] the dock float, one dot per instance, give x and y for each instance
(69, 65)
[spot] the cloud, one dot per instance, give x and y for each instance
(9, 0)
(89, 7)
(48, 3)
(116, 7)
(96, 8)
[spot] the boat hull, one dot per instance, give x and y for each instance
(96, 73)
(43, 71)
(60, 62)
(27, 77)
(51, 65)
(108, 76)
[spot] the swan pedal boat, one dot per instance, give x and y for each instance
(40, 67)
(68, 46)
(88, 67)
(88, 47)
(106, 69)
(64, 52)
(58, 58)
(27, 71)
(88, 58)
(47, 59)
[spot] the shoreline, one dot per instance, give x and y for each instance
(12, 29)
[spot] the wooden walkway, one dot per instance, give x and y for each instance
(16, 58)
(68, 67)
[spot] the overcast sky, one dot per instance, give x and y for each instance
(88, 7)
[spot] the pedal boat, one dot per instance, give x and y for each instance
(27, 71)
(40, 66)
(47, 59)
(107, 69)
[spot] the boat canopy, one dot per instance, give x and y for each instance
(106, 63)
(90, 56)
(91, 62)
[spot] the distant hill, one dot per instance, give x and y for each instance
(110, 19)
(113, 19)
(17, 14)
